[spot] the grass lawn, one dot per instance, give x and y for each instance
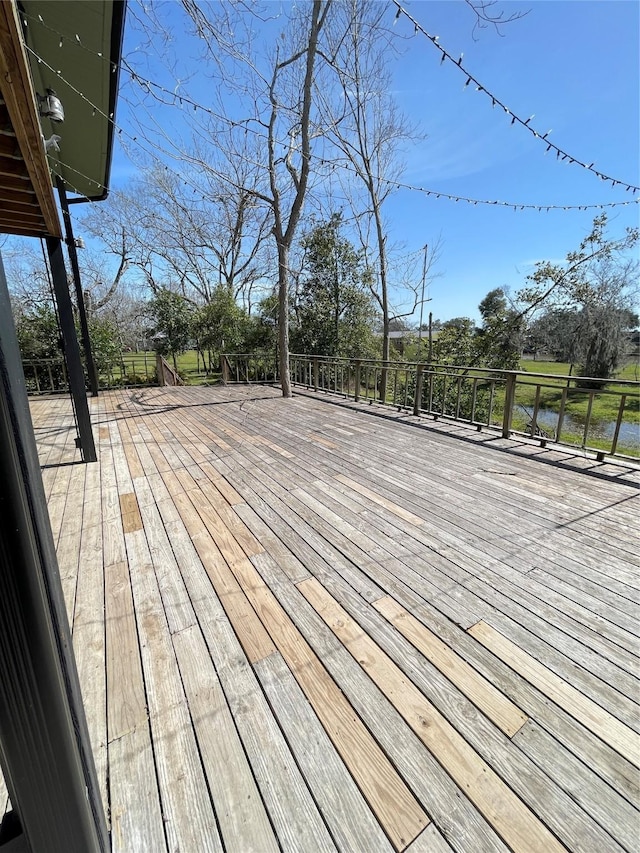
(605, 404)
(190, 367)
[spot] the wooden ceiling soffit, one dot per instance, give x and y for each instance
(23, 161)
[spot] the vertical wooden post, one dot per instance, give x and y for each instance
(417, 397)
(160, 370)
(315, 373)
(224, 364)
(509, 401)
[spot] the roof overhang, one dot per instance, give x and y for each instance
(74, 48)
(27, 205)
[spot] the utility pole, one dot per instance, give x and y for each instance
(424, 278)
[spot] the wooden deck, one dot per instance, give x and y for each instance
(308, 627)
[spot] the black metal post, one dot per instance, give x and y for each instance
(75, 270)
(45, 752)
(71, 349)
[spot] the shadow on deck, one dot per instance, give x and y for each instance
(302, 627)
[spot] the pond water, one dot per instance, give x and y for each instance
(629, 435)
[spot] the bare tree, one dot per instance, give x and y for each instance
(369, 131)
(279, 96)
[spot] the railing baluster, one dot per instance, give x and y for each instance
(587, 422)
(534, 417)
(474, 394)
(492, 389)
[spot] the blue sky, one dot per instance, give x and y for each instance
(573, 64)
(576, 66)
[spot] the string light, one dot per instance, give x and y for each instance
(149, 84)
(515, 119)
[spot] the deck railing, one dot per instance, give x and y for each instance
(566, 410)
(49, 376)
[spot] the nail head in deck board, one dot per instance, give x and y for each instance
(620, 737)
(239, 809)
(390, 799)
(508, 815)
(481, 692)
(345, 810)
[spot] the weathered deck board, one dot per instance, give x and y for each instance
(227, 712)
(594, 717)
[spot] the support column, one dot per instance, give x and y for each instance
(75, 271)
(45, 752)
(71, 349)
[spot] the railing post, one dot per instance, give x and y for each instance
(509, 401)
(224, 366)
(356, 380)
(315, 373)
(160, 370)
(417, 397)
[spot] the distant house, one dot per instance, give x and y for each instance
(399, 340)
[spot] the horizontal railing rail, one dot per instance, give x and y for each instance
(256, 367)
(49, 376)
(566, 410)
(45, 376)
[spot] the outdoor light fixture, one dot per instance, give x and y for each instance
(50, 106)
(51, 144)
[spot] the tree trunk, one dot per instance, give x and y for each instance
(283, 318)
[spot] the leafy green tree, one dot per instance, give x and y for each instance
(498, 342)
(454, 344)
(333, 311)
(555, 333)
(220, 325)
(38, 332)
(171, 317)
(599, 282)
(105, 342)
